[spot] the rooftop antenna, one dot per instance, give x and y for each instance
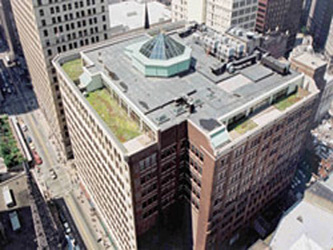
(146, 17)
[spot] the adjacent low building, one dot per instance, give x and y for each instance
(155, 120)
(307, 225)
(130, 15)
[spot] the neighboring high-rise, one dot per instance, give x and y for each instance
(49, 27)
(319, 21)
(180, 126)
(9, 29)
(329, 44)
(284, 15)
(219, 15)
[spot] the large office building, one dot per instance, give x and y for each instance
(319, 21)
(155, 120)
(8, 28)
(219, 15)
(49, 27)
(329, 44)
(284, 15)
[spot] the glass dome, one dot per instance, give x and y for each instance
(162, 47)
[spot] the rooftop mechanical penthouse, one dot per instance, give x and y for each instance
(155, 120)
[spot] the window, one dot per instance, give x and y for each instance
(49, 52)
(41, 12)
(45, 33)
(43, 23)
(52, 10)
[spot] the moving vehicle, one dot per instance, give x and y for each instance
(7, 196)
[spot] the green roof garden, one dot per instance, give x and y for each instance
(8, 145)
(288, 101)
(116, 118)
(73, 69)
(245, 126)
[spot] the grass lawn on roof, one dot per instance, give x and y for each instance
(291, 100)
(245, 126)
(73, 69)
(8, 146)
(113, 115)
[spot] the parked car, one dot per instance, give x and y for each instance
(67, 228)
(38, 160)
(29, 139)
(53, 174)
(32, 146)
(62, 216)
(24, 127)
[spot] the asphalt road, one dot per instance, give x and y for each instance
(23, 104)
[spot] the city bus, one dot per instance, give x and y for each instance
(7, 196)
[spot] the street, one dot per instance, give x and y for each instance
(63, 188)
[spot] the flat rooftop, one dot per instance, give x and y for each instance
(310, 60)
(130, 14)
(213, 95)
(217, 103)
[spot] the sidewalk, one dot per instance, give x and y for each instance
(85, 219)
(90, 218)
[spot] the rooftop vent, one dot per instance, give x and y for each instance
(300, 219)
(123, 86)
(218, 70)
(144, 104)
(100, 57)
(113, 75)
(179, 110)
(162, 119)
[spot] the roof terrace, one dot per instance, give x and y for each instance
(123, 127)
(73, 69)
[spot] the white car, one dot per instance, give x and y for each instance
(53, 174)
(24, 127)
(67, 228)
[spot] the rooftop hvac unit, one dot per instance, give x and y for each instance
(249, 35)
(276, 65)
